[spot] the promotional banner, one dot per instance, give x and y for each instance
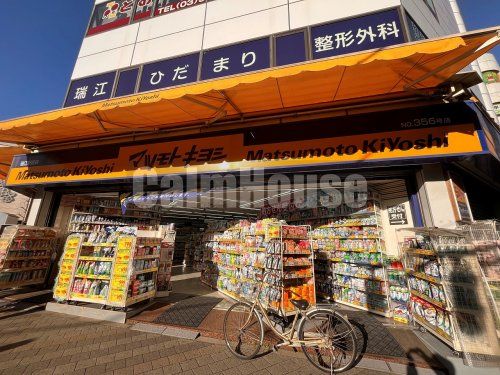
(233, 152)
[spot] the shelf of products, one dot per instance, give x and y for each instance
(350, 256)
(119, 275)
(485, 235)
(25, 255)
(111, 256)
(166, 259)
(448, 290)
(240, 256)
(399, 293)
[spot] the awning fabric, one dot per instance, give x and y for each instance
(388, 71)
(6, 155)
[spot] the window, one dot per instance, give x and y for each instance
(416, 32)
(144, 9)
(110, 15)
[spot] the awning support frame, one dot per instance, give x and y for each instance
(486, 45)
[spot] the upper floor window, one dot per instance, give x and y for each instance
(110, 15)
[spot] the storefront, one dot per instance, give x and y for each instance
(314, 194)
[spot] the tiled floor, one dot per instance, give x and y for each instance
(39, 342)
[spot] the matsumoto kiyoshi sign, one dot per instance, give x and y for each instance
(233, 152)
(337, 38)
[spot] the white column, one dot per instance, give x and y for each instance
(435, 197)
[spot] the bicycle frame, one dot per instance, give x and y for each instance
(287, 336)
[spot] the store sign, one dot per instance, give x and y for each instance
(231, 153)
(359, 34)
(236, 59)
(169, 73)
(110, 15)
(496, 107)
(87, 90)
(169, 6)
(338, 38)
(397, 215)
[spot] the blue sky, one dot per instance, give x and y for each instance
(39, 42)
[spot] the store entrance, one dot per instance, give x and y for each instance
(217, 239)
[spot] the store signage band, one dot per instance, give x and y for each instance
(229, 153)
(338, 38)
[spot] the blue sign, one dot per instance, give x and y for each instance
(127, 81)
(358, 34)
(291, 49)
(90, 89)
(169, 73)
(338, 38)
(236, 59)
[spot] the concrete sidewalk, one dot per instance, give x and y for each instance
(34, 341)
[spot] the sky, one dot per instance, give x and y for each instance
(40, 40)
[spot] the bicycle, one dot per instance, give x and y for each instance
(326, 338)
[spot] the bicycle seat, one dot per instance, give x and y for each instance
(301, 304)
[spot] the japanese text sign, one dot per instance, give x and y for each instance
(359, 34)
(338, 38)
(236, 59)
(169, 73)
(91, 89)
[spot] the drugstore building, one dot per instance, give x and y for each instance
(170, 95)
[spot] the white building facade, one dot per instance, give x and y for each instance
(175, 28)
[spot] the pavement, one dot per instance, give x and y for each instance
(34, 341)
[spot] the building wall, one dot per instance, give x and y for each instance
(433, 24)
(214, 24)
(19, 206)
(491, 77)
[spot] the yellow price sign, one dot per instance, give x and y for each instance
(4, 244)
(119, 283)
(120, 270)
(125, 243)
(117, 296)
(73, 242)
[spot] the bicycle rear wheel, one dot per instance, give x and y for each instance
(339, 349)
(243, 330)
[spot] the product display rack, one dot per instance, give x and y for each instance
(485, 235)
(350, 257)
(166, 260)
(104, 259)
(448, 293)
(116, 273)
(399, 293)
(245, 255)
(289, 268)
(209, 272)
(25, 255)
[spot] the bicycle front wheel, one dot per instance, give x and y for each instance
(329, 341)
(243, 330)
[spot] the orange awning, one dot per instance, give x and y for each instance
(7, 153)
(383, 72)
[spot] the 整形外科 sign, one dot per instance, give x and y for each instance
(232, 153)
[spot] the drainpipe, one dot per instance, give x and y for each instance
(485, 95)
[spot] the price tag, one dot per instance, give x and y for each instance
(117, 296)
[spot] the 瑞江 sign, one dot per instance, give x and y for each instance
(337, 38)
